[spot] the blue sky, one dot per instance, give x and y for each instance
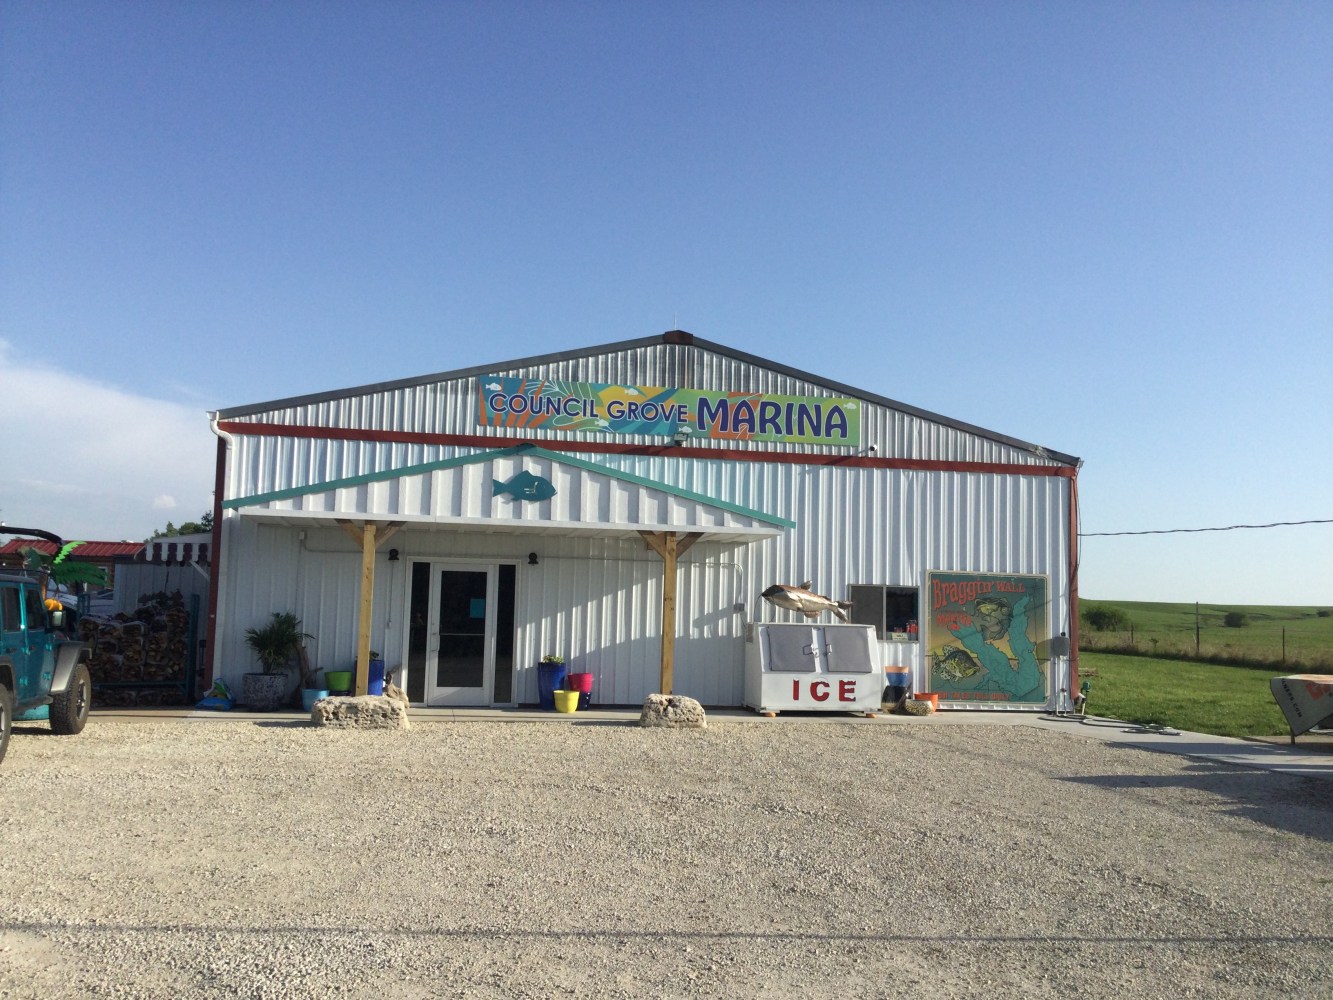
(1102, 227)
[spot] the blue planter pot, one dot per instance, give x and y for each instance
(550, 678)
(311, 695)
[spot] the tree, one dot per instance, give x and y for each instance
(1235, 619)
(199, 527)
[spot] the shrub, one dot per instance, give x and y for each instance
(1235, 619)
(1106, 619)
(1324, 613)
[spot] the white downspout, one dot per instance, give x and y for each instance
(222, 555)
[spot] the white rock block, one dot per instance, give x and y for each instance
(370, 711)
(672, 711)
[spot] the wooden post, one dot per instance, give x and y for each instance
(368, 539)
(670, 546)
(367, 604)
(668, 611)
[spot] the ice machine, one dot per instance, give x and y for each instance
(812, 668)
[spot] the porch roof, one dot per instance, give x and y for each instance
(484, 492)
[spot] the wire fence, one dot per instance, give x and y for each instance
(1288, 650)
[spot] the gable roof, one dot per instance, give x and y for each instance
(448, 493)
(673, 337)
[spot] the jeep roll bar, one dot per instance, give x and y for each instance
(36, 532)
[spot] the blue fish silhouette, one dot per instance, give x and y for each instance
(524, 486)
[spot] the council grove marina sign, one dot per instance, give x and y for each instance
(635, 409)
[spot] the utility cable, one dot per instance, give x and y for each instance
(1179, 531)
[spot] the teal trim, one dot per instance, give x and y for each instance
(371, 477)
(486, 456)
(629, 477)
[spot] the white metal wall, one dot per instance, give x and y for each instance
(597, 600)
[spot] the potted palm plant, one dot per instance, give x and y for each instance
(276, 645)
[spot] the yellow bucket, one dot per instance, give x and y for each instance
(566, 701)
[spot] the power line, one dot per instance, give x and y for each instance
(1180, 531)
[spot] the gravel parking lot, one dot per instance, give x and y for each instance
(518, 859)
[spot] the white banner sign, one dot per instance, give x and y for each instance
(1305, 699)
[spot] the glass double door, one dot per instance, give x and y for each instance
(461, 639)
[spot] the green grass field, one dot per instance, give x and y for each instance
(1287, 639)
(1199, 697)
(1148, 672)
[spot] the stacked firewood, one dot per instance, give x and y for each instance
(148, 646)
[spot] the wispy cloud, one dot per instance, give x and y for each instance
(94, 461)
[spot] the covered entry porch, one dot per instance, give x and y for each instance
(463, 601)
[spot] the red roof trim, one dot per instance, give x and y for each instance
(596, 448)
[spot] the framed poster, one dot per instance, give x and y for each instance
(982, 635)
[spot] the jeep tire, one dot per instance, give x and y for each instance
(69, 709)
(6, 717)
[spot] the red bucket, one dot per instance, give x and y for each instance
(582, 683)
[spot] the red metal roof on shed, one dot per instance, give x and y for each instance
(88, 551)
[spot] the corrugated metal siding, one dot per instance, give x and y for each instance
(596, 600)
(450, 407)
(896, 434)
(264, 464)
(273, 568)
(583, 496)
(137, 579)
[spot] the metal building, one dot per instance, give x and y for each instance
(625, 506)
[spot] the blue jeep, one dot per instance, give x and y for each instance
(39, 664)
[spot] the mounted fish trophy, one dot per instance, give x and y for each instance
(802, 599)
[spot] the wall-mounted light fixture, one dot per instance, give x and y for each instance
(393, 555)
(682, 433)
(532, 559)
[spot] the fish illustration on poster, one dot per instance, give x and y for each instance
(983, 631)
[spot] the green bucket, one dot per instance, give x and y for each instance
(339, 681)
